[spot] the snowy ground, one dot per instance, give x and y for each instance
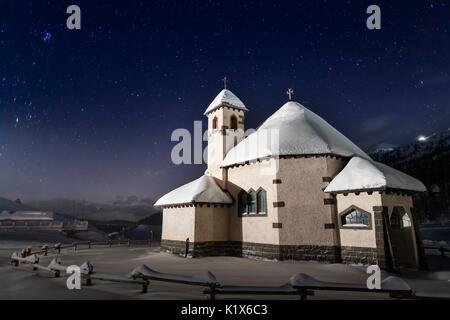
(22, 283)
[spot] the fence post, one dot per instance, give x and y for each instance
(151, 238)
(75, 246)
(110, 243)
(45, 249)
(89, 244)
(145, 286)
(187, 248)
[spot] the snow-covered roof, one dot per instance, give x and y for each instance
(363, 174)
(26, 215)
(300, 132)
(226, 98)
(203, 190)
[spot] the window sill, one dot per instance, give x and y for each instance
(249, 215)
(356, 227)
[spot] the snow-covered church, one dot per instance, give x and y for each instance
(307, 194)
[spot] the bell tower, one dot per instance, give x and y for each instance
(226, 118)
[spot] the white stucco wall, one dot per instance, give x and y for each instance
(305, 214)
(199, 224)
(358, 237)
(211, 223)
(178, 224)
(253, 228)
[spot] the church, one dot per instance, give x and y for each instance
(295, 189)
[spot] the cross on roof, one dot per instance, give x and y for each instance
(225, 82)
(290, 93)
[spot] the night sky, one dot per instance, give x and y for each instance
(88, 114)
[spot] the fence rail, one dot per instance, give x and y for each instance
(442, 250)
(45, 249)
(301, 285)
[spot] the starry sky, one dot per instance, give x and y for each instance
(88, 114)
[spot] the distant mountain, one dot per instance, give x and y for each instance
(154, 220)
(97, 211)
(428, 161)
(8, 205)
(382, 148)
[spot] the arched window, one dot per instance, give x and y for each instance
(355, 218)
(214, 123)
(399, 218)
(235, 141)
(242, 202)
(406, 221)
(252, 202)
(233, 123)
(262, 201)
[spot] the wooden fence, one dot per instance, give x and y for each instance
(301, 285)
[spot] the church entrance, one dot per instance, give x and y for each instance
(403, 239)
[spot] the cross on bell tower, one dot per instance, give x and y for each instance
(290, 93)
(225, 82)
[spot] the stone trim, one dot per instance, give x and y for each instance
(384, 255)
(359, 255)
(279, 204)
(330, 254)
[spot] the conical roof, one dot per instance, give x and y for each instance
(292, 130)
(225, 98)
(202, 190)
(363, 174)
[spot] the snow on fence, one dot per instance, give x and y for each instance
(301, 285)
(45, 249)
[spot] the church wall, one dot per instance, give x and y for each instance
(211, 223)
(305, 213)
(254, 228)
(364, 238)
(178, 224)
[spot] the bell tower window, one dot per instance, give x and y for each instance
(214, 123)
(233, 123)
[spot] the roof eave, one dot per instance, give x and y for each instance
(383, 189)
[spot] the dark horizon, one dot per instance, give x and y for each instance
(88, 114)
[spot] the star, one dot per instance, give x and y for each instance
(46, 37)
